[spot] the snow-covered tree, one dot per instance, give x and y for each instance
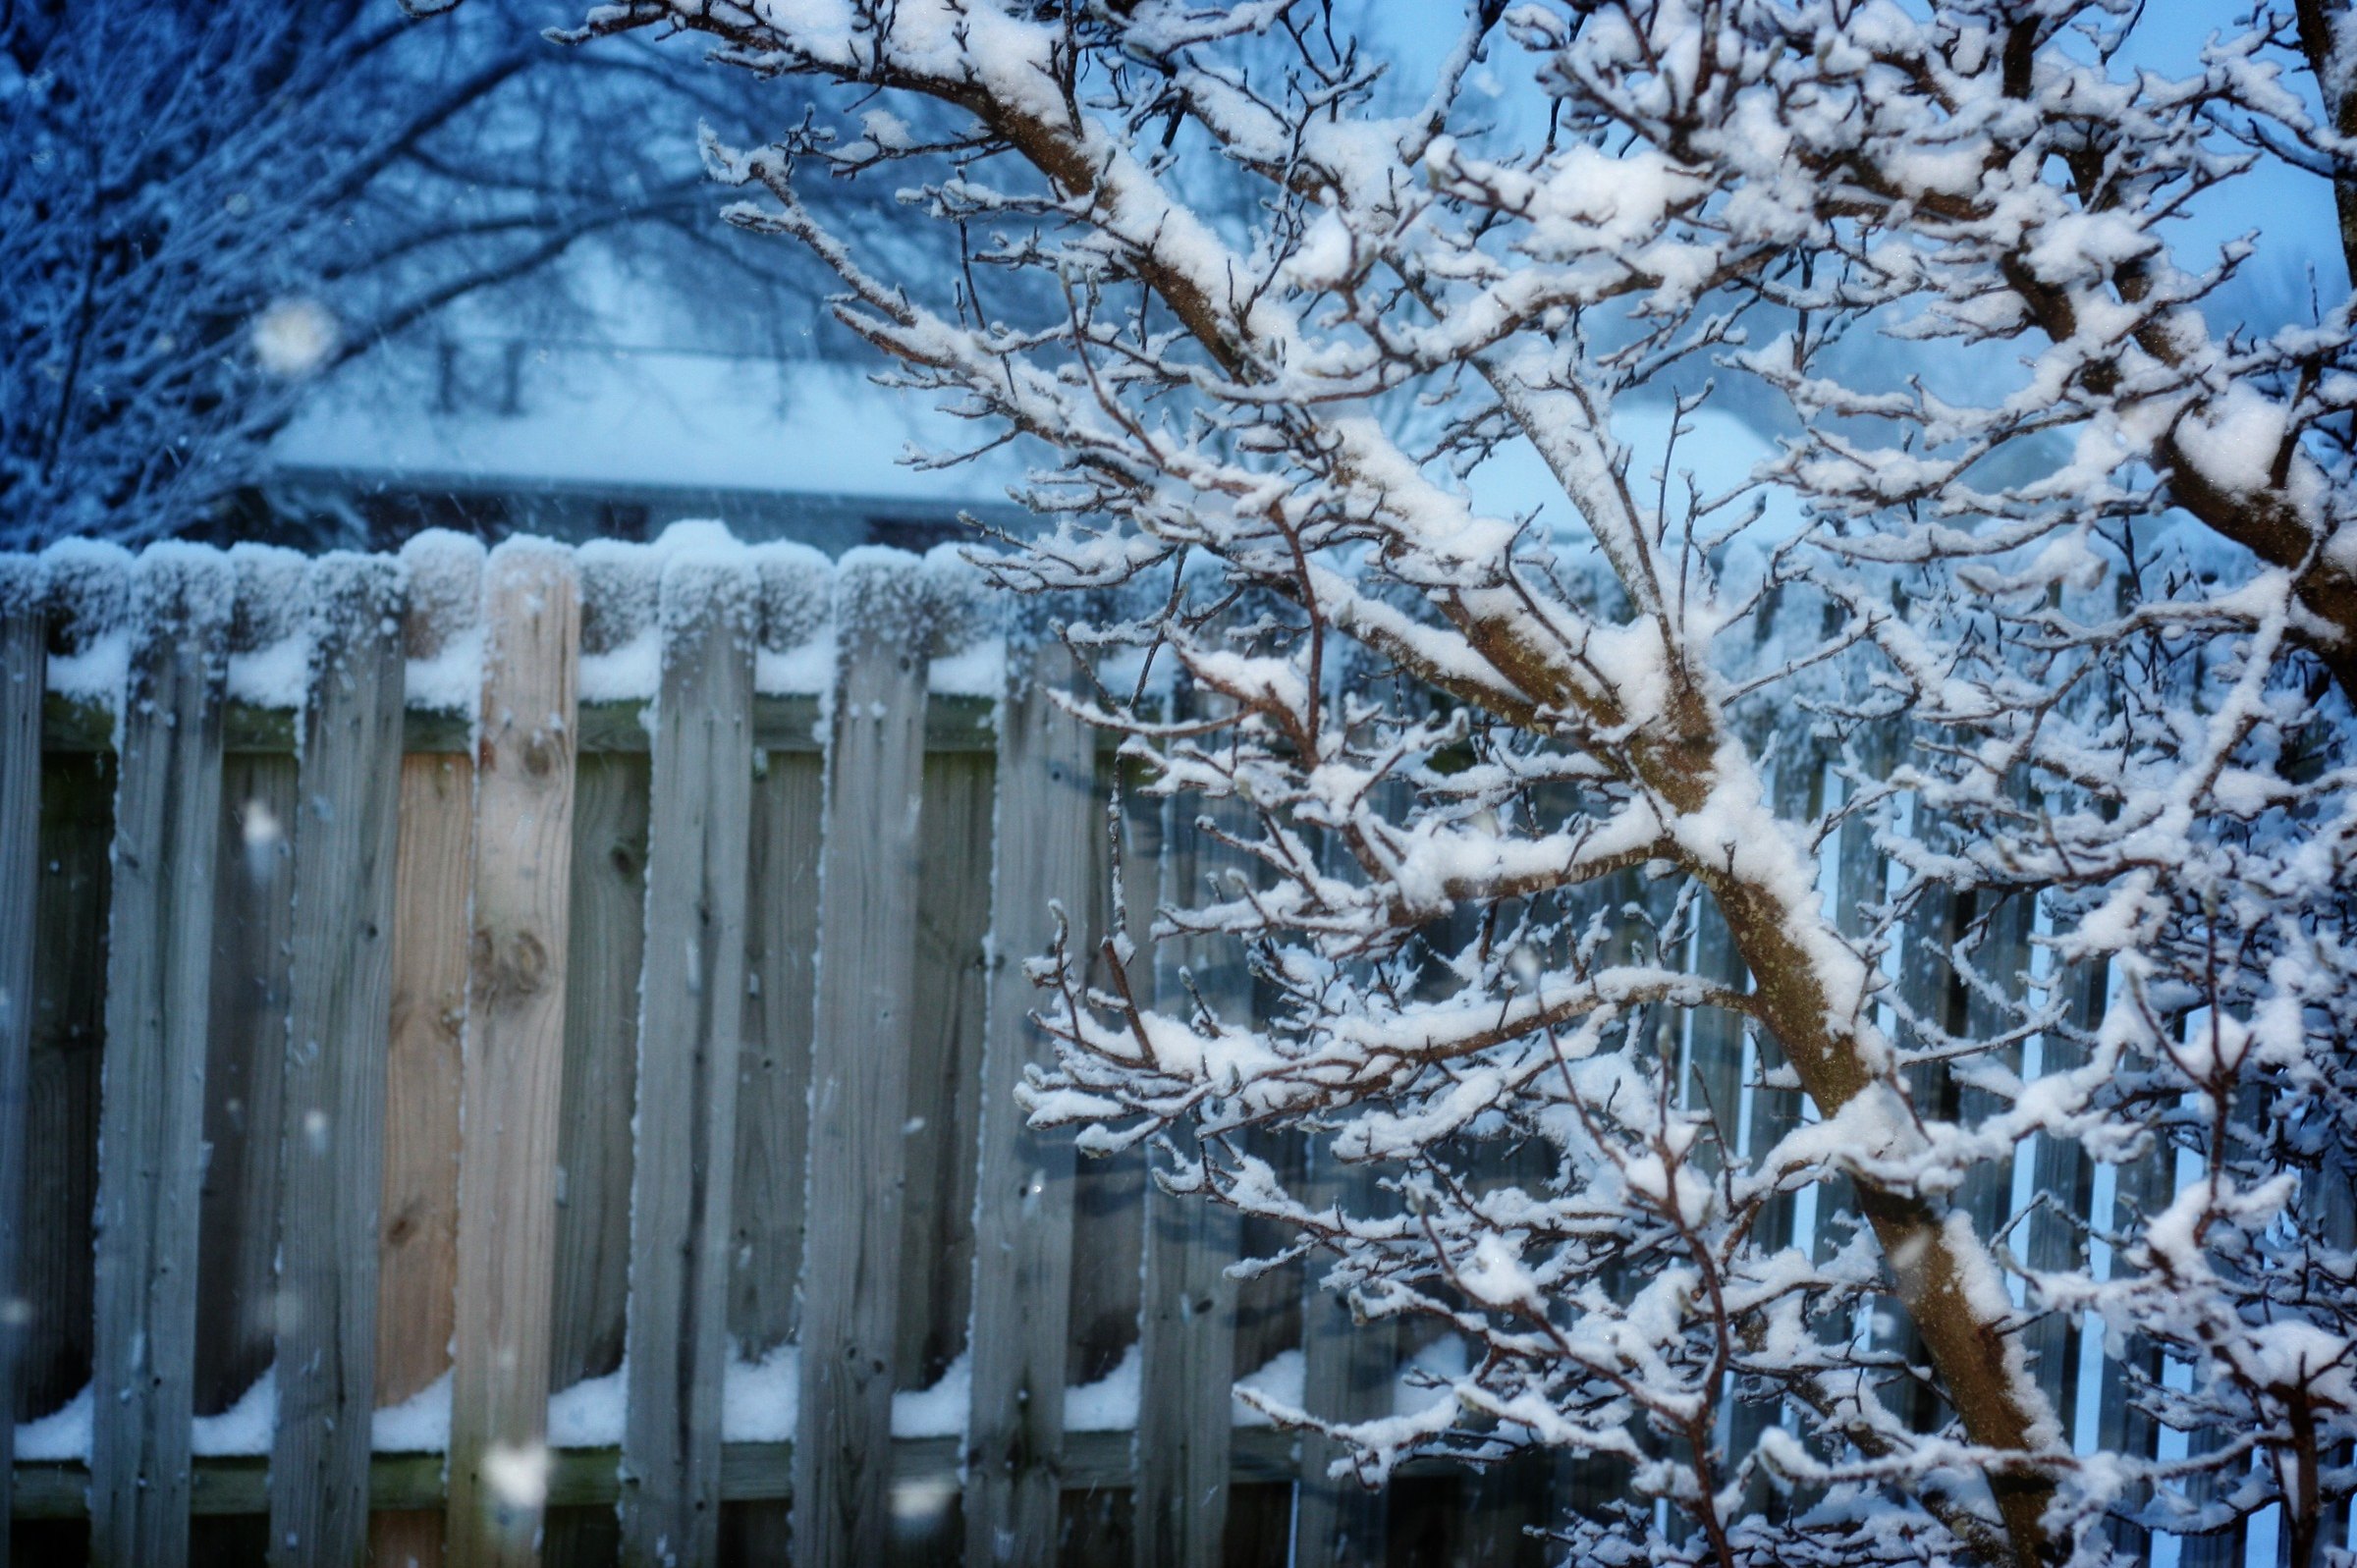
(1896, 906)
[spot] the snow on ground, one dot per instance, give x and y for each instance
(759, 1402)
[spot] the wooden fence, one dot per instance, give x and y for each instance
(494, 1068)
(380, 1060)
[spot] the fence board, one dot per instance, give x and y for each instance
(608, 931)
(61, 1133)
(945, 1048)
(418, 1248)
(2062, 1194)
(514, 1056)
(331, 1147)
(417, 1245)
(1110, 1192)
(692, 1003)
(1346, 1376)
(152, 1101)
(859, 1052)
(23, 663)
(773, 1103)
(1046, 814)
(1186, 1326)
(246, 1061)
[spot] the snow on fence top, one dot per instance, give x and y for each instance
(789, 597)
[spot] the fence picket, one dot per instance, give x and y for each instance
(773, 1103)
(606, 915)
(692, 1016)
(244, 1075)
(859, 1052)
(1046, 814)
(23, 651)
(417, 1247)
(946, 1026)
(331, 1148)
(1346, 1376)
(1186, 1330)
(159, 966)
(514, 1057)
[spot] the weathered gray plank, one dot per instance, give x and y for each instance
(619, 586)
(608, 935)
(340, 993)
(2062, 1194)
(1047, 815)
(152, 1103)
(1110, 1193)
(1187, 1328)
(773, 1098)
(945, 1051)
(61, 1133)
(2001, 958)
(514, 1054)
(23, 663)
(860, 1050)
(1346, 1376)
(773, 1095)
(246, 1050)
(692, 1000)
(246, 1060)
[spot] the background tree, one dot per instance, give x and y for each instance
(206, 209)
(1558, 819)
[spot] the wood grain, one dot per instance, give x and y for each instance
(601, 1064)
(773, 1097)
(340, 1006)
(245, 1065)
(859, 1052)
(1047, 815)
(24, 665)
(61, 1134)
(945, 1054)
(515, 1046)
(159, 967)
(417, 1247)
(418, 1238)
(692, 1001)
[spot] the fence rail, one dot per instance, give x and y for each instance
(461, 979)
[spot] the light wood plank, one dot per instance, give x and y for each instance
(1186, 1326)
(692, 1000)
(514, 1056)
(1047, 815)
(851, 1264)
(417, 1243)
(331, 1146)
(23, 666)
(159, 969)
